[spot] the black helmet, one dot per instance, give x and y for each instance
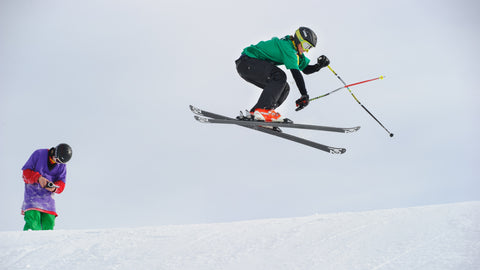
(63, 153)
(305, 34)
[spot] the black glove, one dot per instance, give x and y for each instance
(302, 102)
(323, 61)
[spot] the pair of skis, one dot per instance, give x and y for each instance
(268, 127)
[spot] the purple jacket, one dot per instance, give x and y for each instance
(37, 197)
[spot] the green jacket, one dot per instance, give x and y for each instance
(279, 52)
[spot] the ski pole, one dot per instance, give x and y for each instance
(381, 77)
(346, 86)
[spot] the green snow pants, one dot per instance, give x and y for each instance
(36, 221)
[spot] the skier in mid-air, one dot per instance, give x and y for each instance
(258, 65)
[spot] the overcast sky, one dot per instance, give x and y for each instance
(114, 80)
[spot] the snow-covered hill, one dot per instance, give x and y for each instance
(430, 237)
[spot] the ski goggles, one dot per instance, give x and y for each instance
(305, 44)
(56, 158)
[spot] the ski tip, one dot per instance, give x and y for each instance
(201, 119)
(351, 130)
(195, 109)
(337, 151)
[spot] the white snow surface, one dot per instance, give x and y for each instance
(428, 237)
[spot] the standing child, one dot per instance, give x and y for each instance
(44, 175)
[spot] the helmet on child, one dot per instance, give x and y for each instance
(306, 37)
(63, 153)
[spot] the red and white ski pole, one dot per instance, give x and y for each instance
(346, 86)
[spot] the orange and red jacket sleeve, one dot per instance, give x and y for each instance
(61, 186)
(30, 176)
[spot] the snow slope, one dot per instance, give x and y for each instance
(430, 237)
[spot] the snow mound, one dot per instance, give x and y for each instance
(430, 237)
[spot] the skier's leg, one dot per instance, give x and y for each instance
(266, 76)
(32, 220)
(253, 70)
(283, 96)
(272, 93)
(48, 221)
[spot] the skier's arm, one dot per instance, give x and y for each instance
(30, 176)
(33, 177)
(56, 186)
(60, 188)
(311, 69)
(299, 81)
(322, 62)
(303, 101)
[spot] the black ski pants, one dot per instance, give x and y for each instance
(267, 76)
